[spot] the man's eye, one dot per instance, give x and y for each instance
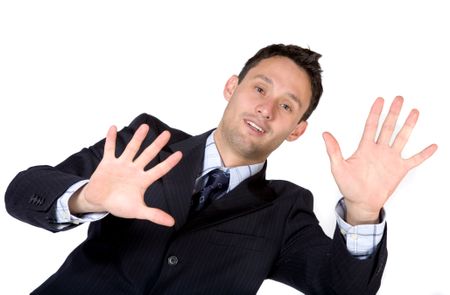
(285, 107)
(260, 90)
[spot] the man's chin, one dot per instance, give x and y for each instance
(252, 153)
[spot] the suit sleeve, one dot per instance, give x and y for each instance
(315, 264)
(31, 196)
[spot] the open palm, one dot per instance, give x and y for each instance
(369, 177)
(118, 184)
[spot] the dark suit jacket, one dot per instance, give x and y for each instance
(261, 229)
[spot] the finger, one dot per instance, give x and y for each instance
(370, 129)
(163, 168)
(419, 158)
(402, 137)
(155, 215)
(152, 150)
(390, 121)
(110, 143)
(333, 149)
(135, 143)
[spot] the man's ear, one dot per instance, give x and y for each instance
(230, 87)
(298, 131)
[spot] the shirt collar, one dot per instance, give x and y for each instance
(214, 161)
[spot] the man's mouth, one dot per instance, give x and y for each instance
(255, 127)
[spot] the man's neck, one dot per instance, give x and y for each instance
(230, 158)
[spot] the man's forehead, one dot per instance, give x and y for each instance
(276, 66)
(275, 61)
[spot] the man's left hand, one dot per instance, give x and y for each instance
(369, 177)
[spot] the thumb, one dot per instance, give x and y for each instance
(155, 215)
(333, 149)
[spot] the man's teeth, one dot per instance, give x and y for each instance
(255, 126)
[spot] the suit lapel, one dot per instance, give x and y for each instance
(179, 182)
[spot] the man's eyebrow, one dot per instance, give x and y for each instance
(295, 99)
(265, 78)
(290, 95)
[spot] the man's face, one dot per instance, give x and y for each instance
(263, 111)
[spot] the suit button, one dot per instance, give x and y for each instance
(172, 260)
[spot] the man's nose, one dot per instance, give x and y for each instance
(266, 110)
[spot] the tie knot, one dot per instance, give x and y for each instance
(218, 179)
(215, 187)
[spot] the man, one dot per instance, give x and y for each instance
(217, 226)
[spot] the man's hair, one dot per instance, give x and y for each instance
(306, 59)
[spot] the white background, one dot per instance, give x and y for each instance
(70, 69)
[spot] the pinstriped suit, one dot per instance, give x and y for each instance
(261, 229)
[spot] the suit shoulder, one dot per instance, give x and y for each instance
(291, 192)
(156, 125)
(286, 187)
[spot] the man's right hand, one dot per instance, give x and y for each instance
(118, 184)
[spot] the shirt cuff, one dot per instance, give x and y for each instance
(361, 240)
(63, 216)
